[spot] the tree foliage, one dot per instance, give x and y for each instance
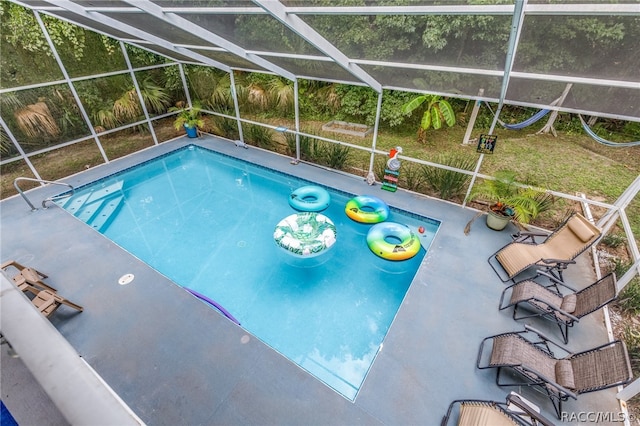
(437, 112)
(548, 44)
(20, 28)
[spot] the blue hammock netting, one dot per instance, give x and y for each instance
(604, 141)
(526, 123)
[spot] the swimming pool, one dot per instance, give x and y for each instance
(206, 221)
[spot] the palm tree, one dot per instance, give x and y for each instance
(282, 93)
(36, 121)
(156, 98)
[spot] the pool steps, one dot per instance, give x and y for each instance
(96, 208)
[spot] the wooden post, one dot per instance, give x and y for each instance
(554, 114)
(472, 119)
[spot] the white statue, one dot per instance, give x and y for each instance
(393, 163)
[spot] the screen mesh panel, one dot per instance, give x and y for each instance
(314, 69)
(604, 100)
(601, 47)
(447, 40)
(159, 28)
(229, 59)
(253, 32)
(463, 85)
(90, 23)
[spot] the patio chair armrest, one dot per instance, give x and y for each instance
(558, 263)
(523, 236)
(563, 392)
(558, 310)
(545, 340)
(555, 281)
(504, 293)
(527, 409)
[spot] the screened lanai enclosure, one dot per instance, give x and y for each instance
(337, 84)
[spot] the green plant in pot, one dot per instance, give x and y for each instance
(510, 201)
(188, 118)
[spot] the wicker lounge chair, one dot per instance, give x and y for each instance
(560, 378)
(548, 303)
(27, 278)
(552, 255)
(475, 412)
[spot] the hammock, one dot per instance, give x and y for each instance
(604, 141)
(526, 123)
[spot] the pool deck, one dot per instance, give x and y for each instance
(175, 361)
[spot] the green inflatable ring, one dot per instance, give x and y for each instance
(367, 209)
(393, 241)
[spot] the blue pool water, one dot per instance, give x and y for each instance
(206, 221)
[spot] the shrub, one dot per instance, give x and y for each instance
(225, 127)
(313, 150)
(629, 297)
(631, 337)
(447, 183)
(379, 166)
(613, 240)
(503, 191)
(290, 139)
(335, 155)
(259, 136)
(411, 176)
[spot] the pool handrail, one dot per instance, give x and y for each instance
(44, 202)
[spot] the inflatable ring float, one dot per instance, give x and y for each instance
(367, 209)
(393, 241)
(305, 234)
(310, 199)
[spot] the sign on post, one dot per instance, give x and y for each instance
(486, 144)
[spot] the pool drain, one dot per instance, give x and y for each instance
(126, 279)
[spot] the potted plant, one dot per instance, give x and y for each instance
(190, 119)
(499, 216)
(509, 201)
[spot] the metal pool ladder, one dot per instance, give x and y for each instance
(44, 202)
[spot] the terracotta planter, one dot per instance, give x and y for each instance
(497, 221)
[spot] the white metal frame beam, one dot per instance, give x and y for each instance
(304, 30)
(200, 32)
(516, 29)
(478, 9)
(537, 9)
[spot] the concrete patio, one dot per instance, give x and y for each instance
(173, 360)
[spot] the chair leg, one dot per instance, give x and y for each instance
(526, 316)
(564, 331)
(557, 405)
